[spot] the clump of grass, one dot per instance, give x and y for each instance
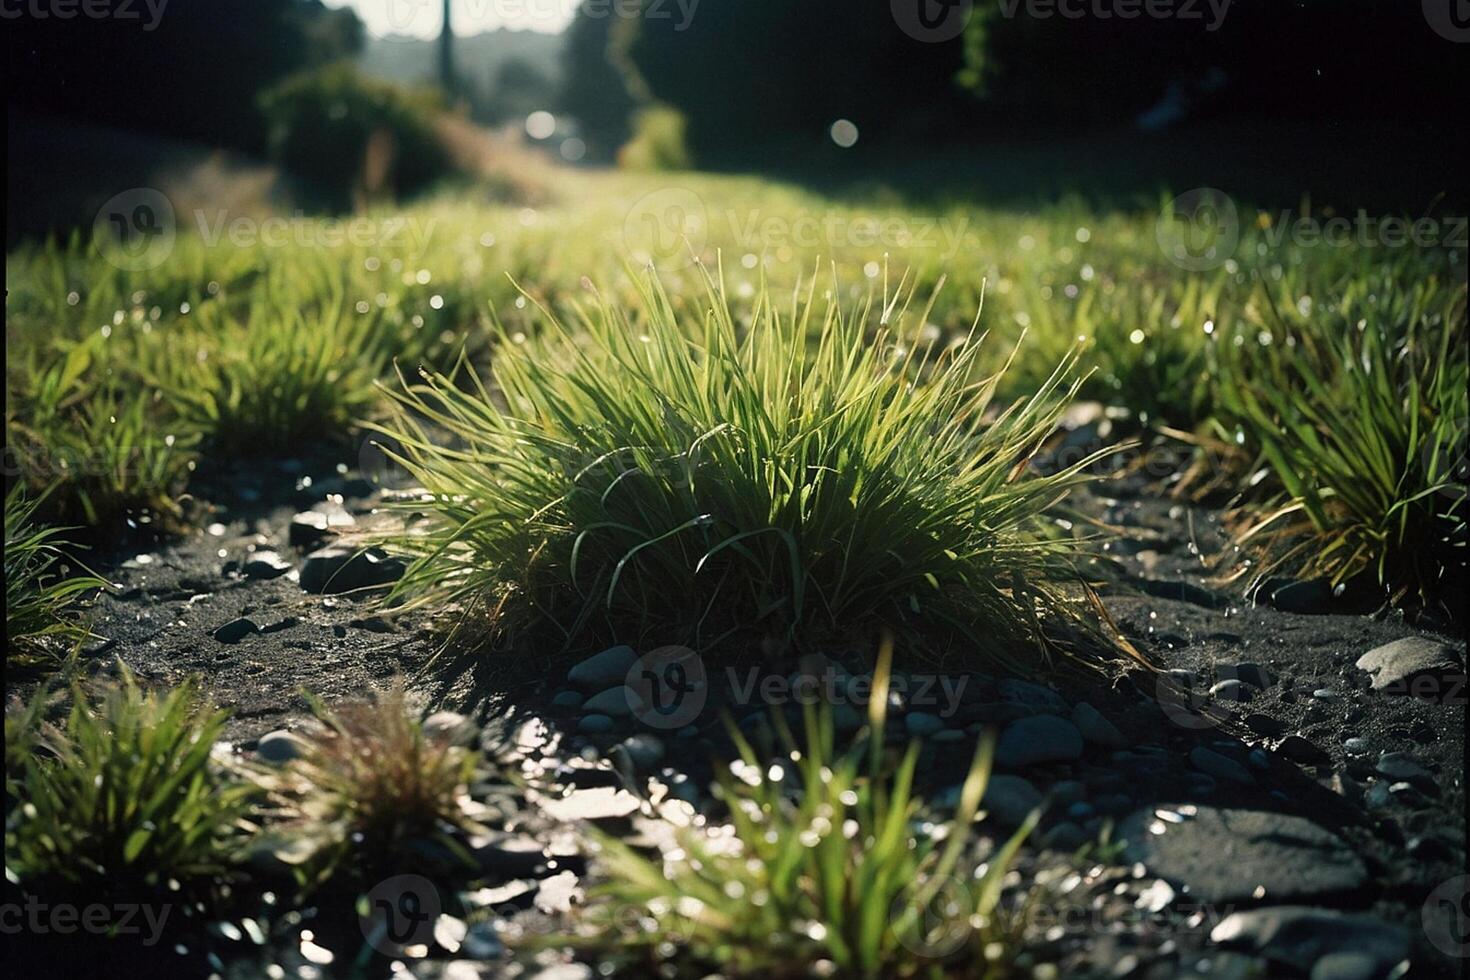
(39, 587)
(275, 381)
(820, 871)
(121, 797)
(105, 447)
(699, 473)
(375, 792)
(1361, 421)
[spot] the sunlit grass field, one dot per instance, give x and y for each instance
(1322, 382)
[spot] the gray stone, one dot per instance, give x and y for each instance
(615, 702)
(450, 726)
(1309, 597)
(1015, 691)
(1264, 724)
(921, 723)
(336, 569)
(1358, 745)
(1227, 855)
(308, 528)
(265, 565)
(603, 670)
(280, 746)
(1232, 690)
(235, 630)
(644, 751)
(1301, 937)
(1347, 966)
(1214, 764)
(1299, 749)
(1065, 836)
(1040, 738)
(1253, 674)
(1401, 766)
(1413, 665)
(595, 725)
(1095, 728)
(567, 699)
(1010, 799)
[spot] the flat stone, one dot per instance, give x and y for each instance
(1232, 690)
(265, 565)
(644, 751)
(1347, 966)
(1015, 691)
(308, 528)
(1065, 836)
(567, 699)
(921, 723)
(602, 803)
(451, 726)
(1228, 855)
(1414, 665)
(614, 702)
(280, 746)
(1095, 728)
(1214, 764)
(336, 569)
(235, 630)
(1008, 800)
(1299, 749)
(1401, 766)
(1301, 937)
(1253, 674)
(1039, 738)
(1264, 724)
(1307, 598)
(603, 670)
(595, 725)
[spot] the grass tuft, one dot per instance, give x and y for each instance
(1362, 424)
(121, 797)
(821, 867)
(375, 792)
(39, 586)
(708, 472)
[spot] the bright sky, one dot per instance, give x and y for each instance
(422, 18)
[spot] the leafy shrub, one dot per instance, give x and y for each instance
(685, 471)
(657, 143)
(38, 587)
(340, 129)
(122, 797)
(820, 865)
